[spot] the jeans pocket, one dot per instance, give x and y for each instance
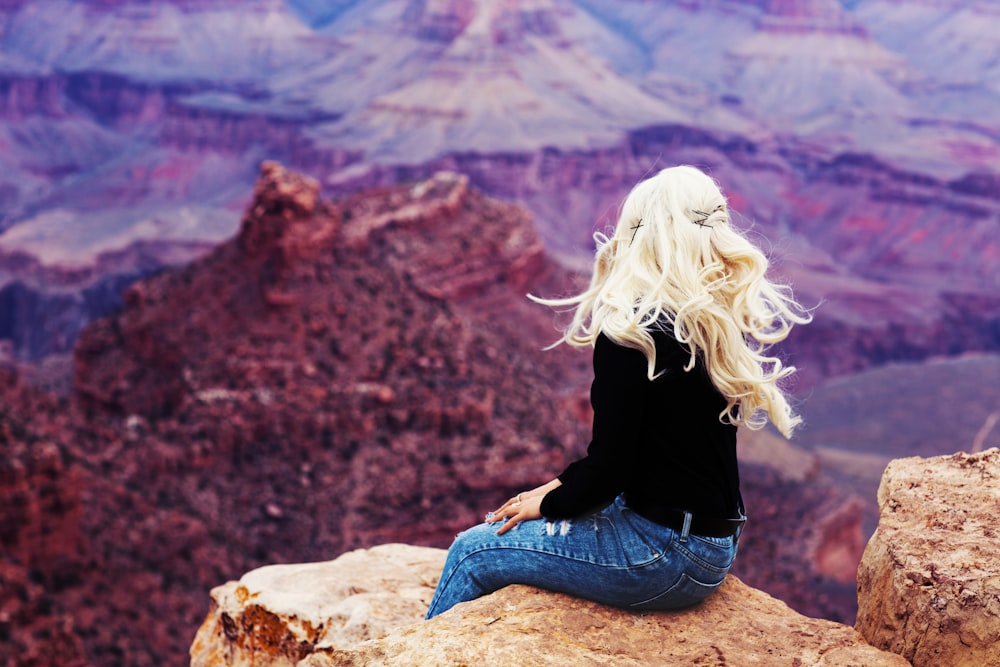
(649, 540)
(686, 592)
(711, 554)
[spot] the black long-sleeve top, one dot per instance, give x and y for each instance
(659, 442)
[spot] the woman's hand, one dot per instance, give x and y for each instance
(522, 507)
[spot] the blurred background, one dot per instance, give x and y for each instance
(259, 399)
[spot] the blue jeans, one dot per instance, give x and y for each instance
(614, 556)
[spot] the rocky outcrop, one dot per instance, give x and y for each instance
(287, 222)
(927, 589)
(41, 503)
(928, 585)
(365, 608)
(280, 614)
(867, 264)
(279, 399)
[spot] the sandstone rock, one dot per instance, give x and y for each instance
(928, 585)
(365, 608)
(287, 221)
(277, 615)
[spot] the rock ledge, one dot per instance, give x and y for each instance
(365, 608)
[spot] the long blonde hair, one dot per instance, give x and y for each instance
(675, 262)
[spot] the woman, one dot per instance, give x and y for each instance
(679, 314)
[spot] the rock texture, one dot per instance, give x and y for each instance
(41, 507)
(365, 608)
(928, 585)
(279, 614)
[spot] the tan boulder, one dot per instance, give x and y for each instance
(365, 608)
(277, 615)
(929, 580)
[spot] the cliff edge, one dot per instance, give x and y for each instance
(365, 608)
(927, 589)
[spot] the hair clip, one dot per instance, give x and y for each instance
(705, 216)
(635, 229)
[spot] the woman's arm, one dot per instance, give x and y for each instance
(619, 398)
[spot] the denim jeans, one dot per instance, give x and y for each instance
(614, 556)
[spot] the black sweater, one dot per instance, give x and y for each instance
(661, 443)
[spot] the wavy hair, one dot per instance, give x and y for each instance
(676, 263)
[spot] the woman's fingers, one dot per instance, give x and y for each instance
(522, 507)
(522, 498)
(521, 511)
(516, 500)
(513, 503)
(506, 510)
(510, 523)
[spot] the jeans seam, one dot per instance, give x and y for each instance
(673, 586)
(548, 553)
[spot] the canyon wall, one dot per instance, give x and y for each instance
(876, 189)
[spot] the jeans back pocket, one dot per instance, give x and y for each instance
(687, 592)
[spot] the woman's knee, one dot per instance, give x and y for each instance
(479, 537)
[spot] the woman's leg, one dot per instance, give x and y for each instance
(613, 556)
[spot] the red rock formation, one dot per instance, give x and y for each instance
(41, 537)
(40, 495)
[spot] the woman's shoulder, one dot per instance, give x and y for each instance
(662, 336)
(608, 346)
(669, 352)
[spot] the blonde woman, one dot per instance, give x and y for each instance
(680, 316)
